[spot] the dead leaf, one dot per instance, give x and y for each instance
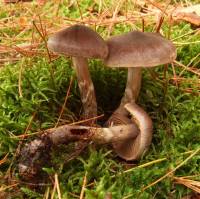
(189, 14)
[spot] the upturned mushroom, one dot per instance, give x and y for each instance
(81, 42)
(129, 141)
(134, 148)
(35, 154)
(136, 50)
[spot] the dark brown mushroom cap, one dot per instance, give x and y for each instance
(139, 49)
(78, 41)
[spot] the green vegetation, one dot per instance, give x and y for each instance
(172, 101)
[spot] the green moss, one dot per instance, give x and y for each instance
(175, 114)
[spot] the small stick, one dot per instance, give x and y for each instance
(117, 8)
(83, 186)
(20, 80)
(54, 190)
(143, 24)
(173, 170)
(64, 104)
(43, 38)
(22, 136)
(57, 186)
(46, 196)
(186, 34)
(87, 120)
(4, 159)
(187, 68)
(160, 24)
(79, 10)
(192, 60)
(157, 6)
(2, 188)
(175, 77)
(58, 6)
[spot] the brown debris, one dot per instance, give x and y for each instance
(108, 196)
(189, 14)
(192, 196)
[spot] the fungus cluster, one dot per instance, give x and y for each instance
(129, 128)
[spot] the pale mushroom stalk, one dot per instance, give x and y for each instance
(86, 87)
(68, 133)
(132, 89)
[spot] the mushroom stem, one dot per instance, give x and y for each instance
(66, 133)
(131, 93)
(86, 87)
(133, 86)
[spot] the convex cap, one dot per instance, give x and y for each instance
(78, 41)
(139, 49)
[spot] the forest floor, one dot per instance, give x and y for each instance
(34, 83)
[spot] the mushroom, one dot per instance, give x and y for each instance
(135, 50)
(35, 154)
(68, 133)
(129, 141)
(134, 148)
(81, 43)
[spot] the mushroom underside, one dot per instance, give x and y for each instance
(133, 149)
